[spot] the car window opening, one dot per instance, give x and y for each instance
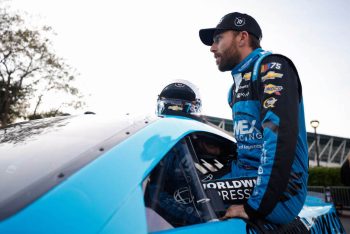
(174, 194)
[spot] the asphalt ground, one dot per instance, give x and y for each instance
(345, 220)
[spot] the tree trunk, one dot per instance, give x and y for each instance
(37, 104)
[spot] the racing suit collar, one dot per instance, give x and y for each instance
(242, 66)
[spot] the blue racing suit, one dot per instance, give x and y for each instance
(269, 126)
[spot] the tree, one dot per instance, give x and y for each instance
(29, 69)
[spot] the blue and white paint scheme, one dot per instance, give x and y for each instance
(84, 174)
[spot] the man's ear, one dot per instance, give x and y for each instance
(244, 38)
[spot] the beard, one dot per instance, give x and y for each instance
(230, 58)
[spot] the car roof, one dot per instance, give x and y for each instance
(37, 155)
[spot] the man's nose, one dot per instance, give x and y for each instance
(213, 48)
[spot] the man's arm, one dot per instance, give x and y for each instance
(279, 95)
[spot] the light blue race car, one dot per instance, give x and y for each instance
(132, 174)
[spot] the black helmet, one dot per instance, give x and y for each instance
(178, 98)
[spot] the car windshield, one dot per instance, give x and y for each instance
(36, 155)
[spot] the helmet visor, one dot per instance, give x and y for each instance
(169, 106)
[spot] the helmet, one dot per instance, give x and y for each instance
(178, 98)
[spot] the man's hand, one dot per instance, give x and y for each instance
(235, 211)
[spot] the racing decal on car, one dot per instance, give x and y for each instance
(271, 75)
(270, 102)
(208, 177)
(232, 190)
(268, 66)
(183, 196)
(205, 167)
(270, 89)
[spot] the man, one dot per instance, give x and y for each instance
(268, 116)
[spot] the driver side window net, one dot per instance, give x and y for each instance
(174, 193)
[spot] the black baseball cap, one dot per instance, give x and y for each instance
(232, 21)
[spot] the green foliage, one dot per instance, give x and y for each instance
(324, 176)
(17, 102)
(29, 68)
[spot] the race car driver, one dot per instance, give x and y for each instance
(268, 117)
(179, 97)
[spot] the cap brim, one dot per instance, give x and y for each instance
(206, 35)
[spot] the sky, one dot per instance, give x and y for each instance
(127, 51)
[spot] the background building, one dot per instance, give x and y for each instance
(332, 151)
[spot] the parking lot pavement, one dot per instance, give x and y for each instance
(345, 220)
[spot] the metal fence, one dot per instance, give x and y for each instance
(333, 150)
(317, 189)
(338, 195)
(341, 197)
